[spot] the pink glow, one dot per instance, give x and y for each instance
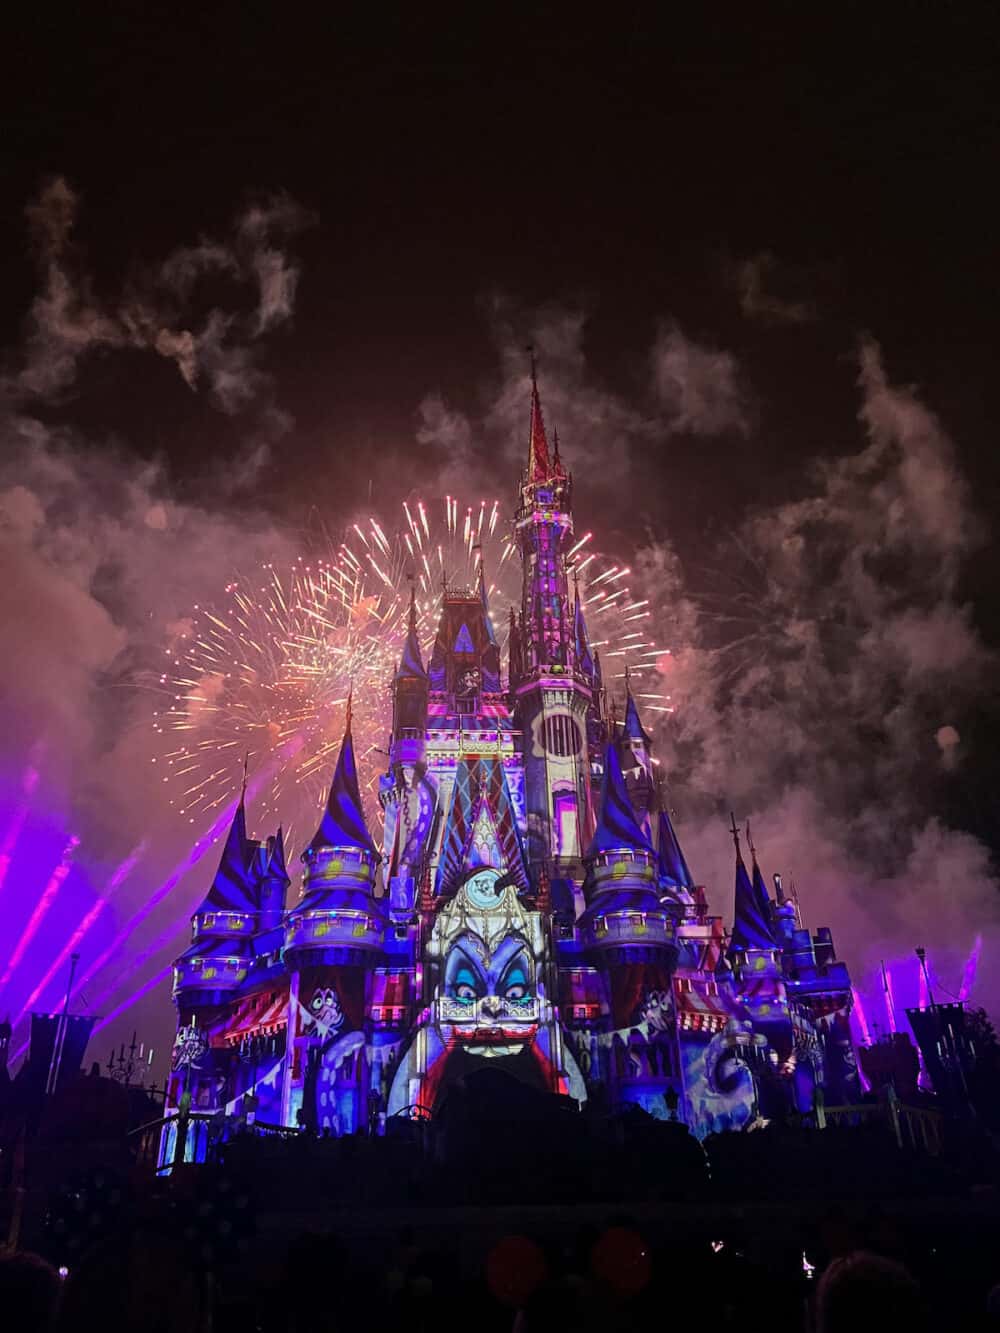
(969, 975)
(48, 897)
(890, 999)
(203, 845)
(136, 963)
(29, 782)
(859, 1009)
(922, 997)
(72, 945)
(134, 998)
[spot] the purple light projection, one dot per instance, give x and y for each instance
(134, 998)
(15, 828)
(890, 999)
(97, 910)
(859, 1011)
(971, 967)
(73, 943)
(49, 894)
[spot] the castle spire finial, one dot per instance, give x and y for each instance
(539, 466)
(557, 464)
(752, 927)
(753, 849)
(343, 822)
(633, 722)
(411, 663)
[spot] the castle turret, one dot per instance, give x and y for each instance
(675, 879)
(222, 928)
(337, 919)
(409, 697)
(637, 760)
(272, 881)
(625, 920)
(553, 694)
(752, 931)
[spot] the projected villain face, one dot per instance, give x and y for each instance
(488, 1001)
(324, 1009)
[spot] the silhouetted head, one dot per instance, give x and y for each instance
(29, 1292)
(863, 1290)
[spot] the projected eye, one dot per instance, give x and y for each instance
(464, 986)
(515, 984)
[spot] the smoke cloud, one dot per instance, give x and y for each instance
(825, 669)
(102, 561)
(825, 678)
(823, 684)
(213, 348)
(757, 280)
(688, 389)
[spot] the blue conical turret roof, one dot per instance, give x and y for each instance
(276, 868)
(581, 640)
(411, 663)
(632, 726)
(751, 917)
(672, 866)
(343, 823)
(231, 888)
(617, 827)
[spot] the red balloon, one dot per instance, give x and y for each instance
(515, 1267)
(620, 1258)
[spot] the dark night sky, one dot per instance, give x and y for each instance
(623, 163)
(469, 160)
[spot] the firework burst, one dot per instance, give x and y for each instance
(266, 671)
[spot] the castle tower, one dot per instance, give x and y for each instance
(637, 762)
(675, 879)
(624, 922)
(270, 877)
(337, 920)
(553, 691)
(406, 797)
(216, 963)
(333, 939)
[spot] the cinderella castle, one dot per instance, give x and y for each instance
(530, 908)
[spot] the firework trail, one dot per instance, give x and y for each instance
(273, 661)
(267, 669)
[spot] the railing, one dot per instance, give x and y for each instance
(193, 1136)
(210, 973)
(913, 1127)
(332, 927)
(638, 927)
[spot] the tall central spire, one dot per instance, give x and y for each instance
(539, 465)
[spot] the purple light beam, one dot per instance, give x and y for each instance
(29, 781)
(72, 944)
(49, 894)
(971, 967)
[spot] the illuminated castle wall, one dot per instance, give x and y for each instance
(530, 905)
